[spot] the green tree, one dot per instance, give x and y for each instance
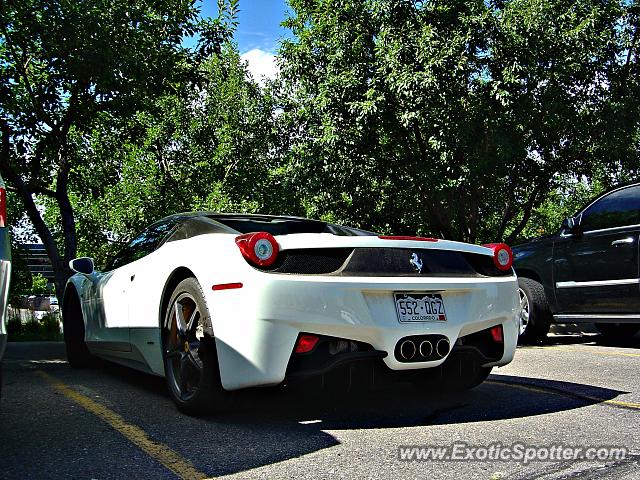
(21, 278)
(39, 285)
(563, 202)
(456, 118)
(64, 65)
(211, 145)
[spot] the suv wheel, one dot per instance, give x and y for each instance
(535, 315)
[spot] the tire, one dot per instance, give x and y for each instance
(73, 324)
(536, 317)
(189, 353)
(618, 331)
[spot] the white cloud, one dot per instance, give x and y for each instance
(261, 64)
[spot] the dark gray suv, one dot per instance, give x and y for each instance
(587, 272)
(5, 271)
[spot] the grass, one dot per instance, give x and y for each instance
(35, 337)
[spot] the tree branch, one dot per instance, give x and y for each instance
(528, 209)
(26, 195)
(435, 213)
(36, 190)
(66, 212)
(21, 64)
(65, 123)
(632, 46)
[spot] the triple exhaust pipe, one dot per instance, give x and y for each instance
(422, 349)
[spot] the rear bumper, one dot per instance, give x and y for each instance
(256, 327)
(368, 371)
(479, 349)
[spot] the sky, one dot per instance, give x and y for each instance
(258, 32)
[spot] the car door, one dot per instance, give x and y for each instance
(110, 329)
(597, 271)
(108, 301)
(119, 289)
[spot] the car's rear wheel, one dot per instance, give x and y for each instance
(618, 331)
(78, 354)
(535, 315)
(189, 352)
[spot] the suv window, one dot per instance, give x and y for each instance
(143, 244)
(617, 209)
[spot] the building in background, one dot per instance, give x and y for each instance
(37, 260)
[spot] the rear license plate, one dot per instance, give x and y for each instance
(420, 307)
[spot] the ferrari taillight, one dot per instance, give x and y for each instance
(502, 255)
(306, 343)
(496, 334)
(258, 248)
(3, 207)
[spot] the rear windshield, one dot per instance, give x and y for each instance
(286, 226)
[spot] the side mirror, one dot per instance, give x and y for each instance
(82, 265)
(571, 225)
(568, 223)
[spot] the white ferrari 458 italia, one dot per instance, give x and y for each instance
(221, 302)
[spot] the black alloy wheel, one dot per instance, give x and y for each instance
(189, 352)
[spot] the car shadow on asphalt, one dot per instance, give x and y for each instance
(270, 425)
(394, 405)
(633, 342)
(406, 406)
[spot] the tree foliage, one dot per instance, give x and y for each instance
(63, 66)
(38, 285)
(469, 120)
(21, 233)
(210, 146)
(456, 118)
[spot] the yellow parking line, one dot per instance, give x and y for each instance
(624, 404)
(584, 350)
(160, 452)
(552, 391)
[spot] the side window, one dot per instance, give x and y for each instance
(617, 209)
(142, 245)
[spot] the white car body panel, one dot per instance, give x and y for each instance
(256, 326)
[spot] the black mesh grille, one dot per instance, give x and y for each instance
(416, 262)
(312, 261)
(484, 265)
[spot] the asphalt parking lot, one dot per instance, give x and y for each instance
(111, 422)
